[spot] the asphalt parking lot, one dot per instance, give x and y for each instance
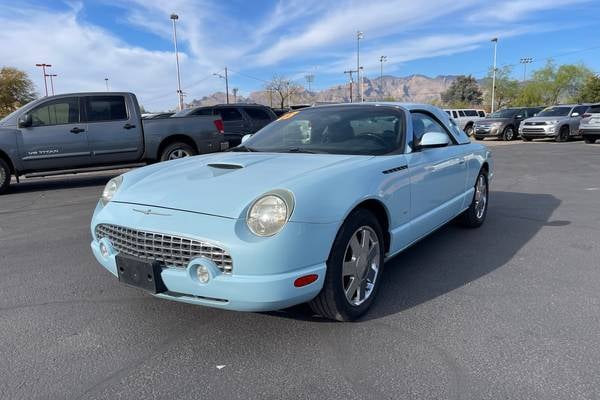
(511, 310)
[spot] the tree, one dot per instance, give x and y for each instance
(16, 90)
(507, 89)
(464, 90)
(283, 88)
(590, 93)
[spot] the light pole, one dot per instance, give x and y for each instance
(174, 18)
(106, 82)
(310, 78)
(52, 82)
(382, 59)
(359, 94)
(350, 72)
(44, 65)
(226, 77)
(235, 91)
(495, 41)
(525, 61)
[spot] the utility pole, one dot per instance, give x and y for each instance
(350, 72)
(174, 18)
(52, 82)
(525, 61)
(106, 81)
(309, 80)
(359, 94)
(382, 59)
(495, 41)
(44, 65)
(226, 78)
(235, 91)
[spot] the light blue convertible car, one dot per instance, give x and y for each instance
(306, 210)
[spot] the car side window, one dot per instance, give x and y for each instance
(461, 113)
(203, 111)
(105, 108)
(581, 110)
(229, 114)
(257, 114)
(424, 123)
(56, 112)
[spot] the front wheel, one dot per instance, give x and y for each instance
(508, 134)
(475, 215)
(177, 150)
(4, 176)
(589, 140)
(563, 134)
(469, 130)
(354, 269)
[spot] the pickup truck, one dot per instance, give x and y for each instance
(82, 132)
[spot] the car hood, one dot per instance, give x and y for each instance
(544, 119)
(223, 184)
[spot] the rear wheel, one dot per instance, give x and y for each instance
(177, 150)
(469, 130)
(589, 140)
(354, 269)
(474, 216)
(508, 134)
(563, 134)
(4, 176)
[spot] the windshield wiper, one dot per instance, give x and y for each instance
(242, 148)
(299, 150)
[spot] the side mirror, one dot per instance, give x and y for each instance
(25, 121)
(519, 116)
(575, 114)
(434, 139)
(246, 137)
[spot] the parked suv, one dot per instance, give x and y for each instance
(465, 118)
(560, 122)
(238, 119)
(589, 128)
(504, 124)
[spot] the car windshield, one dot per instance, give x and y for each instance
(555, 112)
(361, 130)
(508, 113)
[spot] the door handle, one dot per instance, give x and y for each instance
(128, 126)
(77, 130)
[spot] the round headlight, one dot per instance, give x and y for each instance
(110, 189)
(268, 215)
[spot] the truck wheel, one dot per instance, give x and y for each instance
(4, 176)
(563, 134)
(508, 134)
(589, 140)
(177, 150)
(354, 269)
(469, 130)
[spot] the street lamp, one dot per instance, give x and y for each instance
(382, 59)
(174, 18)
(44, 65)
(350, 72)
(52, 82)
(359, 95)
(310, 78)
(495, 41)
(106, 82)
(226, 77)
(525, 61)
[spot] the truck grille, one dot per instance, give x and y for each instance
(533, 130)
(172, 251)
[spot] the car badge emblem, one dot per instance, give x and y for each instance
(150, 212)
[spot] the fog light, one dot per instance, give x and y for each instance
(203, 274)
(104, 250)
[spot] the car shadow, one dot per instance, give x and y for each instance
(454, 256)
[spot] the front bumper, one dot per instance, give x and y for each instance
(538, 131)
(487, 130)
(264, 269)
(589, 132)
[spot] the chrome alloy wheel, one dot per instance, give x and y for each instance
(361, 265)
(178, 153)
(480, 196)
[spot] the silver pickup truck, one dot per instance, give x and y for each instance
(83, 132)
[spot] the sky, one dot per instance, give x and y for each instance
(130, 42)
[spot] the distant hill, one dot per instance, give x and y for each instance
(413, 88)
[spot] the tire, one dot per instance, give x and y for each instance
(526, 139)
(469, 130)
(589, 140)
(177, 150)
(563, 135)
(478, 138)
(508, 134)
(4, 176)
(475, 215)
(332, 302)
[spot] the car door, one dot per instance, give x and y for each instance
(437, 176)
(114, 132)
(56, 138)
(258, 118)
(576, 119)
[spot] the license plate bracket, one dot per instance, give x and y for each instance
(141, 274)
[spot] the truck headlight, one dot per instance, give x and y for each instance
(110, 189)
(269, 214)
(552, 122)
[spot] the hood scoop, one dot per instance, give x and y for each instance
(225, 166)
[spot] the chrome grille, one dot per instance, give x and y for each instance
(172, 251)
